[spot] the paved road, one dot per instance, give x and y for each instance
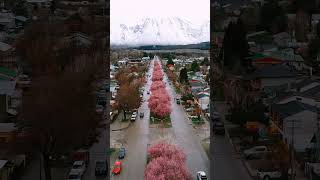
(227, 164)
(184, 133)
(136, 143)
(98, 152)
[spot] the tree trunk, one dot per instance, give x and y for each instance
(124, 114)
(46, 166)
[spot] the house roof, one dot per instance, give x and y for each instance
(304, 82)
(7, 127)
(7, 87)
(292, 107)
(272, 71)
(4, 46)
(3, 163)
(8, 73)
(21, 18)
(284, 56)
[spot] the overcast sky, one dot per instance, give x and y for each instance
(125, 11)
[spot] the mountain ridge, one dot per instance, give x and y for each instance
(159, 31)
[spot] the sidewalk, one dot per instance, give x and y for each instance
(118, 124)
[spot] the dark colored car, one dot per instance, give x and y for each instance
(141, 114)
(122, 153)
(218, 128)
(178, 101)
(101, 168)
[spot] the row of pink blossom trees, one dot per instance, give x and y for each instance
(167, 162)
(159, 101)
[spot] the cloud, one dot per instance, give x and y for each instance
(196, 11)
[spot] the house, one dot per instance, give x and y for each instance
(20, 21)
(79, 39)
(298, 115)
(5, 171)
(8, 132)
(7, 74)
(7, 91)
(272, 75)
(39, 3)
(7, 21)
(287, 57)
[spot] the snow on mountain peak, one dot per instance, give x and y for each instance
(159, 31)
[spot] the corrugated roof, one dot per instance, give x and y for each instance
(272, 71)
(7, 127)
(7, 72)
(7, 87)
(292, 107)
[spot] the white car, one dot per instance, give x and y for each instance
(74, 175)
(201, 175)
(255, 152)
(269, 174)
(133, 116)
(79, 166)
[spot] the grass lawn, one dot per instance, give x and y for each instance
(166, 121)
(197, 121)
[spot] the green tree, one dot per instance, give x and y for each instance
(272, 17)
(205, 62)
(195, 66)
(235, 46)
(170, 61)
(183, 75)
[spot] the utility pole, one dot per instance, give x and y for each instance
(292, 157)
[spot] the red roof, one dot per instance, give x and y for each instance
(194, 80)
(268, 60)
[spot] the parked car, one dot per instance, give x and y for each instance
(178, 101)
(75, 175)
(218, 127)
(189, 109)
(101, 168)
(255, 152)
(201, 175)
(133, 116)
(117, 167)
(122, 153)
(269, 174)
(141, 114)
(79, 165)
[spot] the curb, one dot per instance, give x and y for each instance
(121, 128)
(243, 162)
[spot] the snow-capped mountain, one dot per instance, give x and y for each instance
(159, 31)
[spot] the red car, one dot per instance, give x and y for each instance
(117, 167)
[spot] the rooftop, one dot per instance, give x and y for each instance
(292, 107)
(7, 127)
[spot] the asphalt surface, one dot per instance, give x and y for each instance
(137, 139)
(98, 152)
(227, 164)
(135, 161)
(197, 159)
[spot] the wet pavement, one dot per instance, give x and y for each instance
(139, 135)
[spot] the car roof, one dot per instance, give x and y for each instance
(202, 173)
(78, 163)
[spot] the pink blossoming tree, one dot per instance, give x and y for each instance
(168, 162)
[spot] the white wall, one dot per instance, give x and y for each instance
(305, 129)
